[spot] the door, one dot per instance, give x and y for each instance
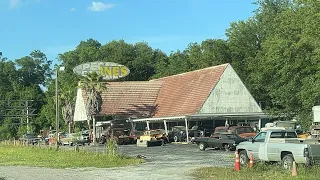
(258, 147)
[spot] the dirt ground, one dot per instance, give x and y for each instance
(172, 161)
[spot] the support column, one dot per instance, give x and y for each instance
(259, 124)
(187, 129)
(226, 122)
(148, 125)
(94, 130)
(165, 126)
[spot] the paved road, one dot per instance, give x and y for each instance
(172, 161)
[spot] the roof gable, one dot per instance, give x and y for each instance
(230, 95)
(184, 94)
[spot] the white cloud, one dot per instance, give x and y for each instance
(100, 6)
(14, 3)
(73, 9)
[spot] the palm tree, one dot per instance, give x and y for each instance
(93, 86)
(67, 101)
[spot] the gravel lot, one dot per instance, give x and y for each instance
(172, 161)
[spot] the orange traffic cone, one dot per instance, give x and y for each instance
(237, 163)
(294, 169)
(251, 160)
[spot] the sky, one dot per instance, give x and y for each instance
(58, 26)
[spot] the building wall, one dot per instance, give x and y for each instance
(80, 109)
(230, 96)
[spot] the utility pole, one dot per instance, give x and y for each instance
(27, 117)
(57, 105)
(57, 110)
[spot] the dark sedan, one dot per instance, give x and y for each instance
(220, 141)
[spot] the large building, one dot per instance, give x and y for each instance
(212, 96)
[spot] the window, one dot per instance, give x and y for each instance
(260, 137)
(283, 135)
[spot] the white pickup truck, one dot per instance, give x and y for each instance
(279, 146)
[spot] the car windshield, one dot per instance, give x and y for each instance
(230, 136)
(194, 127)
(156, 132)
(221, 130)
(29, 135)
(180, 128)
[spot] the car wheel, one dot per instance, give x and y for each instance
(226, 147)
(287, 161)
(175, 138)
(243, 157)
(202, 146)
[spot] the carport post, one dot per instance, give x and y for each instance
(94, 130)
(165, 126)
(259, 124)
(148, 126)
(187, 132)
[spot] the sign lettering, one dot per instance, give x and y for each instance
(109, 70)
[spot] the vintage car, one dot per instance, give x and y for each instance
(200, 131)
(119, 134)
(219, 141)
(66, 139)
(30, 138)
(134, 135)
(152, 138)
(177, 134)
(246, 132)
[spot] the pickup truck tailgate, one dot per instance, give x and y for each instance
(314, 153)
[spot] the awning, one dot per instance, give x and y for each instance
(208, 116)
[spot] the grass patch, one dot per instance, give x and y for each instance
(259, 172)
(11, 155)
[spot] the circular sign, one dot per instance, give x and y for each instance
(109, 70)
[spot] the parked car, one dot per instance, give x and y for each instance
(82, 138)
(30, 138)
(66, 139)
(151, 138)
(118, 134)
(134, 135)
(279, 146)
(177, 134)
(201, 131)
(219, 141)
(243, 131)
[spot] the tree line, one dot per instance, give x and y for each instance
(276, 53)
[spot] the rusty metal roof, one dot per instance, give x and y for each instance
(184, 94)
(130, 98)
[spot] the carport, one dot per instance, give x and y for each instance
(204, 116)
